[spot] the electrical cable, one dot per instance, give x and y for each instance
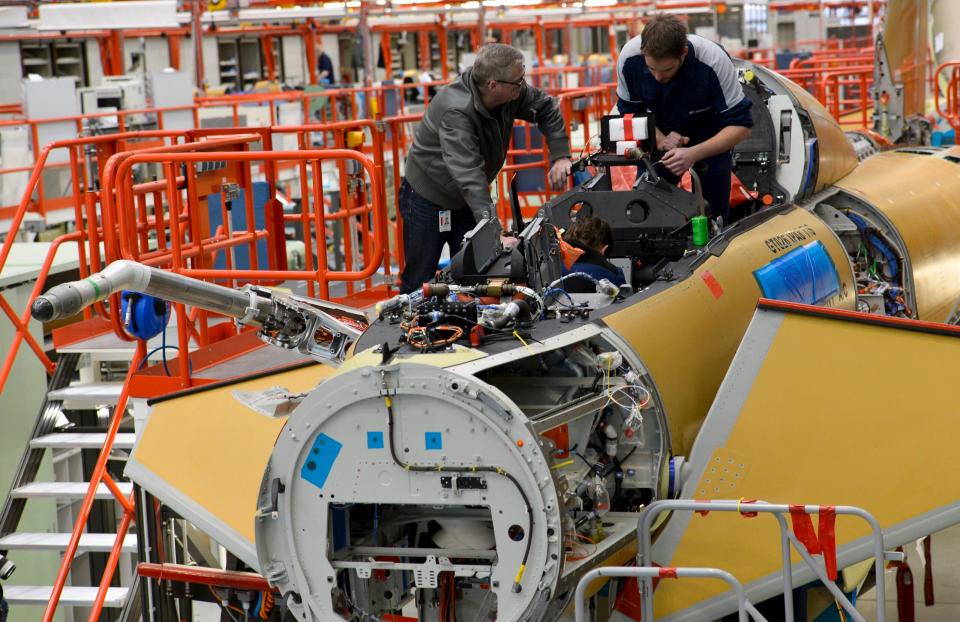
(419, 336)
(225, 605)
(474, 469)
(571, 305)
(163, 341)
(257, 611)
(152, 352)
(572, 274)
(576, 536)
(573, 450)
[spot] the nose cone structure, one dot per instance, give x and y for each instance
(378, 459)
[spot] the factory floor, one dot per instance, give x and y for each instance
(946, 583)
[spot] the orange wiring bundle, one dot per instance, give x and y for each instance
(576, 536)
(418, 336)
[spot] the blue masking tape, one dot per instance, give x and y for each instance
(316, 468)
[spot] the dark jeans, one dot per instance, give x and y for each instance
(715, 181)
(422, 239)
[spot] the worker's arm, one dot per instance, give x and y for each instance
(460, 146)
(724, 140)
(535, 106)
(680, 159)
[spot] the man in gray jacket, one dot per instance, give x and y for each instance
(459, 148)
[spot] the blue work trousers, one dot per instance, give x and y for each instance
(715, 181)
(422, 239)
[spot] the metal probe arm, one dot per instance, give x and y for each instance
(285, 321)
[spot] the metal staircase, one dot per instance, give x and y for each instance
(63, 427)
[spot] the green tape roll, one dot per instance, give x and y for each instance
(701, 230)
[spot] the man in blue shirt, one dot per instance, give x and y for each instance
(691, 87)
(325, 71)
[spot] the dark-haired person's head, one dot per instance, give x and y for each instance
(664, 46)
(591, 231)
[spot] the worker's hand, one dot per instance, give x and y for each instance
(508, 241)
(558, 173)
(672, 140)
(679, 160)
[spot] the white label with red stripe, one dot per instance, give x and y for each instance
(629, 128)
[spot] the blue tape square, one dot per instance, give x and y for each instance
(374, 440)
(434, 440)
(319, 462)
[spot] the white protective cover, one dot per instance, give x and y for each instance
(627, 134)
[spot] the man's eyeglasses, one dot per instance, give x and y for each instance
(519, 83)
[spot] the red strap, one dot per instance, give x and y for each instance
(628, 600)
(702, 512)
(823, 541)
(803, 529)
(628, 127)
(905, 610)
(743, 513)
(928, 599)
(668, 573)
(827, 535)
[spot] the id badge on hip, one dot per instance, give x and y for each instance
(446, 220)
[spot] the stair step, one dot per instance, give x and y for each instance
(88, 395)
(83, 440)
(66, 490)
(89, 542)
(71, 596)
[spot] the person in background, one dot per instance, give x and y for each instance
(593, 236)
(690, 85)
(458, 150)
(325, 73)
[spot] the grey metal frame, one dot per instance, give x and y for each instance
(647, 574)
(644, 556)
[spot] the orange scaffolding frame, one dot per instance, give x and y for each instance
(123, 186)
(948, 106)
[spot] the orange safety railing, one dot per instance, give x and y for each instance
(329, 105)
(99, 476)
(134, 220)
(137, 226)
(118, 121)
(88, 252)
(556, 80)
(947, 82)
(808, 72)
(402, 139)
(173, 188)
(819, 73)
(582, 108)
(845, 92)
(313, 215)
(833, 45)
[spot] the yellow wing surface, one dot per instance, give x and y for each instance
(819, 407)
